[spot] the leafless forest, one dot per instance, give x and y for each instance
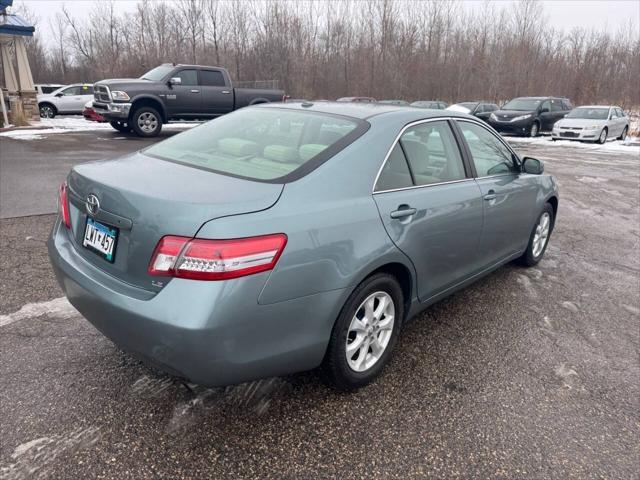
(406, 49)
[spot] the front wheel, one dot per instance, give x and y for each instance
(603, 136)
(47, 111)
(121, 126)
(539, 238)
(146, 122)
(535, 129)
(365, 333)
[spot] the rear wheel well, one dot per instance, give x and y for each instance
(403, 276)
(148, 102)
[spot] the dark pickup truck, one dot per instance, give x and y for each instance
(173, 92)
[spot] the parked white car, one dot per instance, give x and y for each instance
(592, 123)
(66, 100)
(46, 88)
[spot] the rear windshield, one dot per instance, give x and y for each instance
(524, 104)
(589, 113)
(265, 144)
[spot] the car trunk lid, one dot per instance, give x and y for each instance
(145, 199)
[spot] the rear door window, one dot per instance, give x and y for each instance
(267, 144)
(211, 78)
(395, 173)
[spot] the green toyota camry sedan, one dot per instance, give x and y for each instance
(281, 238)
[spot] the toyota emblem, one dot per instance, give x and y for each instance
(92, 204)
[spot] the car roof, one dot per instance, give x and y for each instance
(597, 106)
(364, 111)
(542, 98)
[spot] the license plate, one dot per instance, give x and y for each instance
(100, 239)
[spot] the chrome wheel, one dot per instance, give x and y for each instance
(542, 234)
(47, 112)
(370, 331)
(147, 122)
(534, 130)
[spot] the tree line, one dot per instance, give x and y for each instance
(406, 49)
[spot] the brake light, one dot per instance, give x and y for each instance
(203, 259)
(63, 199)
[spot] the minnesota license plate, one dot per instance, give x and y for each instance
(100, 239)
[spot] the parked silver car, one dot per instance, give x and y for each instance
(280, 237)
(592, 123)
(70, 99)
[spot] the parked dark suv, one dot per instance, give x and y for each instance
(529, 115)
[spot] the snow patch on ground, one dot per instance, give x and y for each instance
(630, 145)
(31, 460)
(56, 308)
(73, 124)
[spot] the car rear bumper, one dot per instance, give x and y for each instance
(212, 333)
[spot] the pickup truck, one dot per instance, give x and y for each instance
(173, 92)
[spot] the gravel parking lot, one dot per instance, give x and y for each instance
(529, 373)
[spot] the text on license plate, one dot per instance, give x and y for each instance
(100, 238)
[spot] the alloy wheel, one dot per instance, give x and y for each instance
(370, 331)
(147, 122)
(542, 234)
(46, 112)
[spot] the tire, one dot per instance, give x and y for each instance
(603, 136)
(534, 252)
(121, 126)
(534, 130)
(623, 135)
(146, 122)
(351, 371)
(47, 110)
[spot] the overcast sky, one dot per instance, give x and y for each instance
(562, 14)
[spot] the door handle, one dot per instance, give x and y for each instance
(226, 92)
(195, 91)
(491, 195)
(403, 211)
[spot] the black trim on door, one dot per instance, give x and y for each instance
(467, 160)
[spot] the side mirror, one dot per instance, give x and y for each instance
(544, 110)
(175, 81)
(532, 166)
(59, 95)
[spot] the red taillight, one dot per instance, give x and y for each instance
(64, 205)
(202, 259)
(285, 98)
